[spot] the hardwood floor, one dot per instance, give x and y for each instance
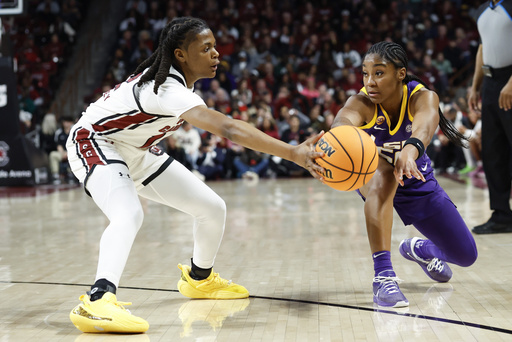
(298, 246)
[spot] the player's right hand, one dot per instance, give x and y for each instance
(305, 155)
(406, 165)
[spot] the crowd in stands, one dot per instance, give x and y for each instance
(42, 39)
(286, 67)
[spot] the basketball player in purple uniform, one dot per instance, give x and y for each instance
(112, 151)
(402, 116)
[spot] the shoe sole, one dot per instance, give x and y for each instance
(401, 304)
(490, 231)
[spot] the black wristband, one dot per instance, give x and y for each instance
(416, 143)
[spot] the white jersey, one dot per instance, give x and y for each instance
(125, 125)
(139, 117)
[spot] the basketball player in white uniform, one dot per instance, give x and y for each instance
(112, 151)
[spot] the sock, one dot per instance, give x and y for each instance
(100, 287)
(198, 273)
(382, 264)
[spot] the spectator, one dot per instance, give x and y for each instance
(348, 57)
(225, 77)
(443, 66)
(54, 50)
(139, 5)
(350, 84)
(262, 92)
(210, 162)
(251, 164)
(71, 13)
(48, 5)
(59, 157)
(325, 60)
(269, 126)
(25, 121)
(241, 66)
(177, 152)
(243, 94)
(47, 141)
(283, 123)
(317, 119)
(449, 157)
(293, 135)
(310, 91)
(225, 42)
(189, 139)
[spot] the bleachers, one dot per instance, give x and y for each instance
(296, 55)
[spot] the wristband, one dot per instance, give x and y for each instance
(416, 143)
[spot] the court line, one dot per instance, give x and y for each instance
(345, 306)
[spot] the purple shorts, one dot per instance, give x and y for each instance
(417, 200)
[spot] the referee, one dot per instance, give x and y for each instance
(493, 76)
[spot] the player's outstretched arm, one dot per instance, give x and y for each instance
(424, 107)
(357, 110)
(247, 135)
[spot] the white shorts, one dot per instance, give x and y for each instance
(86, 149)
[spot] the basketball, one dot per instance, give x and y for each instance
(350, 158)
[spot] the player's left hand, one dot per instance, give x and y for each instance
(406, 165)
(305, 156)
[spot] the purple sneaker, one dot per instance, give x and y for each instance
(436, 269)
(387, 293)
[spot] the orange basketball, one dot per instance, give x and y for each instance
(350, 158)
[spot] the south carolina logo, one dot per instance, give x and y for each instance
(4, 156)
(157, 151)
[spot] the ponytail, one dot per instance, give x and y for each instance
(446, 126)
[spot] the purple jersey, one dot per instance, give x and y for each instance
(413, 200)
(391, 141)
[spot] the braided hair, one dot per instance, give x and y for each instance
(395, 54)
(178, 33)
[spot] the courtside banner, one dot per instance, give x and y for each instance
(15, 168)
(17, 155)
(9, 107)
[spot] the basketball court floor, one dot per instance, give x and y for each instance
(298, 246)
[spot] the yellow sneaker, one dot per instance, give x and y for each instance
(213, 287)
(106, 315)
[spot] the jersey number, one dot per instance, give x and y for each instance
(391, 151)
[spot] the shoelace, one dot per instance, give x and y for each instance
(436, 265)
(122, 305)
(216, 279)
(390, 284)
(115, 302)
